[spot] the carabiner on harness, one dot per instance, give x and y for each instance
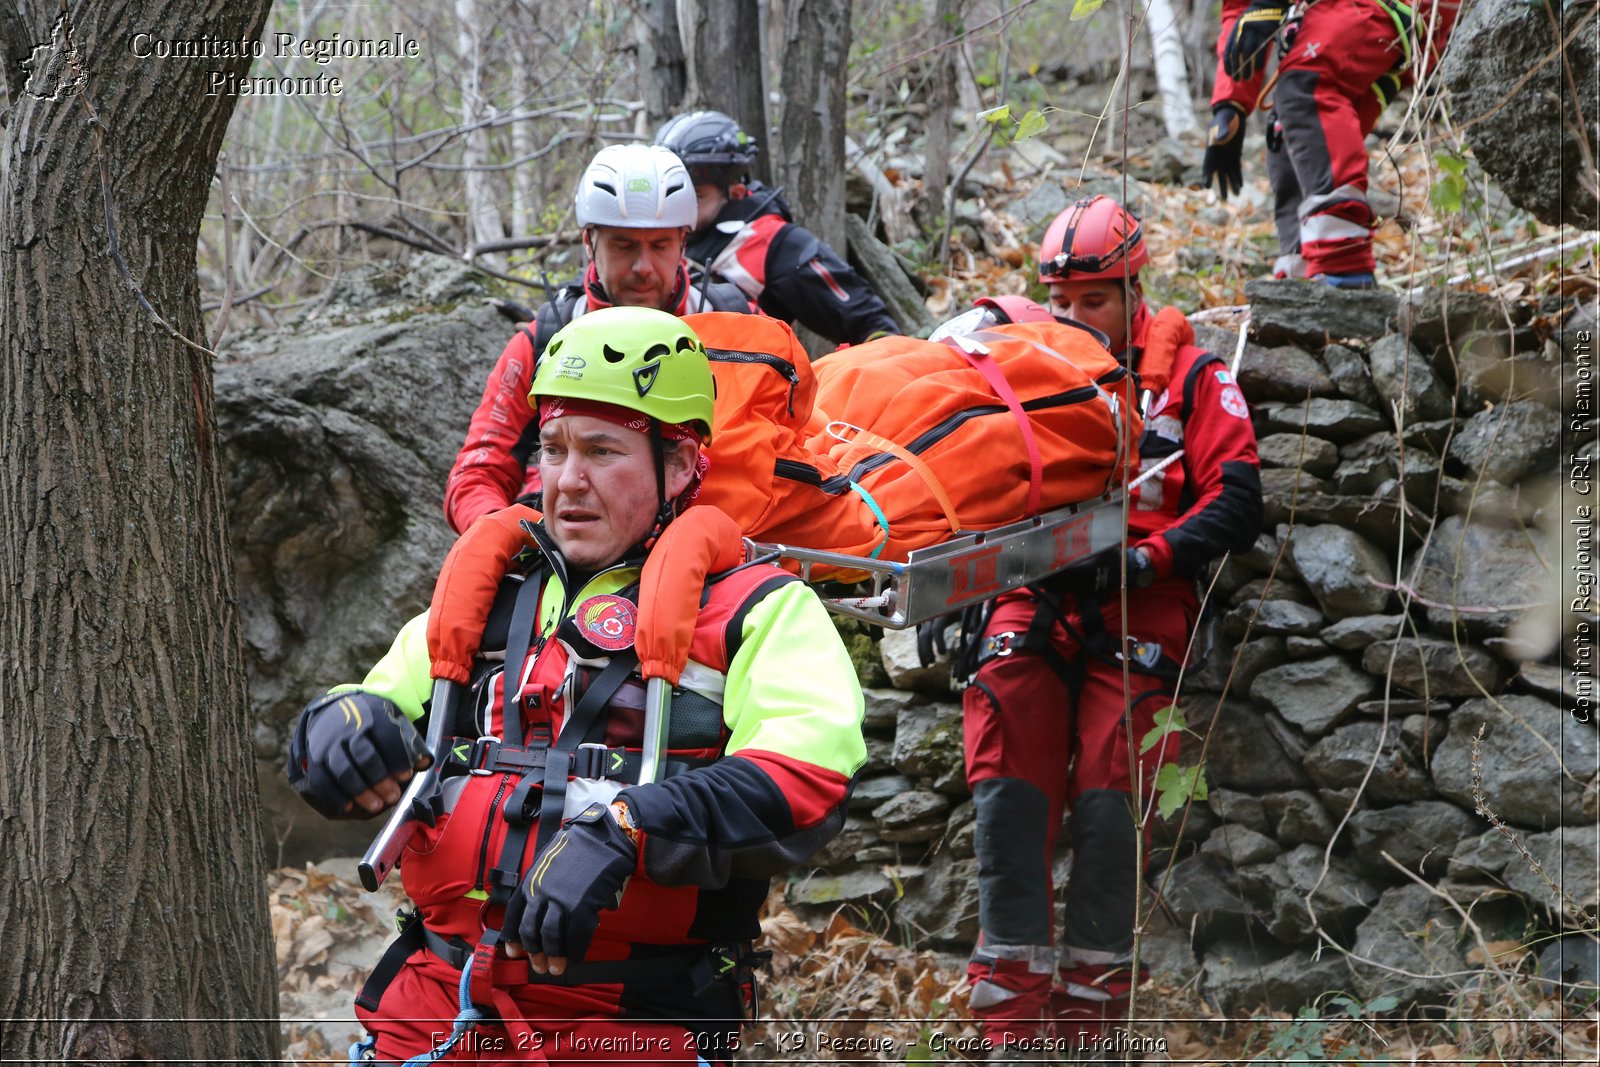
(469, 1017)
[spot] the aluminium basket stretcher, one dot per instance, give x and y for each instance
(965, 570)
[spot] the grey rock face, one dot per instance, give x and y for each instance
(1310, 315)
(1350, 375)
(1569, 858)
(1282, 373)
(873, 791)
(927, 740)
(904, 665)
(1404, 378)
(1238, 808)
(1205, 891)
(1420, 836)
(1244, 755)
(941, 903)
(1493, 372)
(1489, 575)
(1356, 632)
(1273, 617)
(1298, 817)
(1304, 896)
(1508, 442)
(1536, 761)
(1239, 845)
(1340, 761)
(860, 832)
(1482, 858)
(917, 815)
(327, 450)
(1240, 976)
(1315, 695)
(1440, 317)
(1313, 454)
(1252, 658)
(1330, 418)
(1343, 570)
(1434, 667)
(825, 891)
(1514, 112)
(1410, 930)
(883, 707)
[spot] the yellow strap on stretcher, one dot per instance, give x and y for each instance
(906, 456)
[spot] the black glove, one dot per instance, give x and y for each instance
(582, 872)
(1101, 573)
(1246, 53)
(930, 639)
(346, 743)
(1224, 158)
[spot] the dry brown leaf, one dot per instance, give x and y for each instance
(1502, 953)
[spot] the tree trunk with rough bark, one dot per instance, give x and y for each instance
(810, 160)
(131, 864)
(663, 76)
(945, 18)
(483, 215)
(722, 47)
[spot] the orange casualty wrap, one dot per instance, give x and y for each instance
(908, 433)
(465, 590)
(701, 541)
(1168, 332)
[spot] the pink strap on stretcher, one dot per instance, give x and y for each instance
(984, 365)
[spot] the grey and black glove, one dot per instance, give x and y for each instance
(583, 872)
(345, 744)
(1101, 573)
(1245, 55)
(1224, 158)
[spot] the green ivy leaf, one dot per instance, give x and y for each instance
(1177, 785)
(996, 115)
(1032, 125)
(1082, 9)
(1168, 720)
(1449, 194)
(1351, 1007)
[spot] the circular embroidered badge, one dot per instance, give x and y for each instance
(608, 621)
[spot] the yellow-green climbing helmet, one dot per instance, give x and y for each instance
(634, 357)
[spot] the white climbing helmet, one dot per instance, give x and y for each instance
(636, 186)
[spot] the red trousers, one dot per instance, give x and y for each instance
(546, 1024)
(1049, 726)
(1326, 104)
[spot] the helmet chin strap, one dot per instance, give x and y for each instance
(664, 508)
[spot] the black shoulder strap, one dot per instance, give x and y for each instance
(725, 296)
(519, 638)
(551, 316)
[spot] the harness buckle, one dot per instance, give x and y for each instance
(996, 645)
(1146, 654)
(589, 761)
(478, 758)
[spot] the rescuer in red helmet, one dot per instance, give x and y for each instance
(1049, 726)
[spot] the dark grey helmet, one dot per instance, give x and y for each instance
(707, 138)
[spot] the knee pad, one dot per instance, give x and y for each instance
(1014, 905)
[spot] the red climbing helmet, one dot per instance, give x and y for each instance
(1094, 238)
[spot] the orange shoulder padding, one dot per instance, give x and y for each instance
(701, 541)
(464, 593)
(1168, 332)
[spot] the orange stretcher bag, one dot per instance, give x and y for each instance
(900, 443)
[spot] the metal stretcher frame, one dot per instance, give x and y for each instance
(965, 570)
